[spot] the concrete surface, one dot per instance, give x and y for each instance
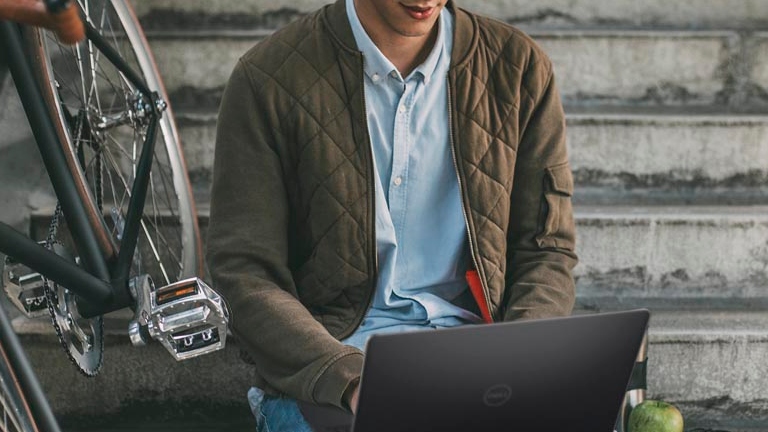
(663, 158)
(637, 66)
(137, 375)
(711, 365)
(719, 253)
(761, 61)
(198, 137)
(24, 185)
(666, 257)
(681, 13)
(667, 106)
(716, 147)
(199, 63)
(626, 157)
(707, 363)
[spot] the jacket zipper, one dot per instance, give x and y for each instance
(463, 203)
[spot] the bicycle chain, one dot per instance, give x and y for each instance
(52, 298)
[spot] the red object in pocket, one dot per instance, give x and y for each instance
(473, 279)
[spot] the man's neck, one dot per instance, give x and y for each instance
(405, 52)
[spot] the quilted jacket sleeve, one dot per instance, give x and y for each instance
(541, 235)
(247, 254)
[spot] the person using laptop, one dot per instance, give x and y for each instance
(384, 166)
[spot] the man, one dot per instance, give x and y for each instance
(384, 166)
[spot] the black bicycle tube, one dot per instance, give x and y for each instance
(136, 204)
(3, 69)
(52, 266)
(56, 6)
(30, 386)
(113, 56)
(122, 266)
(121, 269)
(52, 152)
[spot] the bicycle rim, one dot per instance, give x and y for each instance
(102, 128)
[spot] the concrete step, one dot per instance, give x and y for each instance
(672, 257)
(645, 66)
(23, 176)
(685, 13)
(688, 156)
(632, 156)
(135, 378)
(641, 67)
(688, 257)
(709, 364)
(760, 52)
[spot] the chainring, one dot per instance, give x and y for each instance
(81, 338)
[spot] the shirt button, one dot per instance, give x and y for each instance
(393, 74)
(375, 77)
(398, 181)
(402, 108)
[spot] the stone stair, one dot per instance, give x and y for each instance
(668, 135)
(667, 111)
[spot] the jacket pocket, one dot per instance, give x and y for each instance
(559, 230)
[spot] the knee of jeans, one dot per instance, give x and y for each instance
(281, 414)
(255, 399)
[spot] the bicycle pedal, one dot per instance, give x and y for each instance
(24, 288)
(187, 317)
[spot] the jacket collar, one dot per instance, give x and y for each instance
(464, 34)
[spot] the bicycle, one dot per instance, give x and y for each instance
(126, 216)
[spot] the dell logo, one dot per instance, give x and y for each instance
(497, 395)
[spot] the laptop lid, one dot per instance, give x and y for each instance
(545, 375)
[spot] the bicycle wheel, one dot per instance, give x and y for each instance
(102, 124)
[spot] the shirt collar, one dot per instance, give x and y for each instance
(377, 66)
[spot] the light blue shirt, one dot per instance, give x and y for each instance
(421, 234)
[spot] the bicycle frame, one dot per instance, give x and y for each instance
(17, 363)
(102, 284)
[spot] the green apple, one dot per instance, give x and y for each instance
(655, 416)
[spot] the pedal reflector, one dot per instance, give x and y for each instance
(188, 317)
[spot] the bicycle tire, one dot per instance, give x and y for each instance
(97, 117)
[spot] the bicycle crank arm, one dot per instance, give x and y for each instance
(187, 317)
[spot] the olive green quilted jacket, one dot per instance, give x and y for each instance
(291, 242)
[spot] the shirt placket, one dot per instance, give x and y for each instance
(398, 184)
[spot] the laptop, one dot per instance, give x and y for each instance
(560, 374)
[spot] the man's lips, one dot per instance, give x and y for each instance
(419, 12)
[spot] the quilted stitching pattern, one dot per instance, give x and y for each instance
(332, 193)
(488, 119)
(332, 196)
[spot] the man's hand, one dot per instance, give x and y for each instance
(351, 395)
(353, 401)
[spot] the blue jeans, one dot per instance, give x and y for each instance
(276, 414)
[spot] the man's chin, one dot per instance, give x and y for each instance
(418, 30)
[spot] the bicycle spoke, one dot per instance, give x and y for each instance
(123, 182)
(157, 227)
(151, 244)
(107, 128)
